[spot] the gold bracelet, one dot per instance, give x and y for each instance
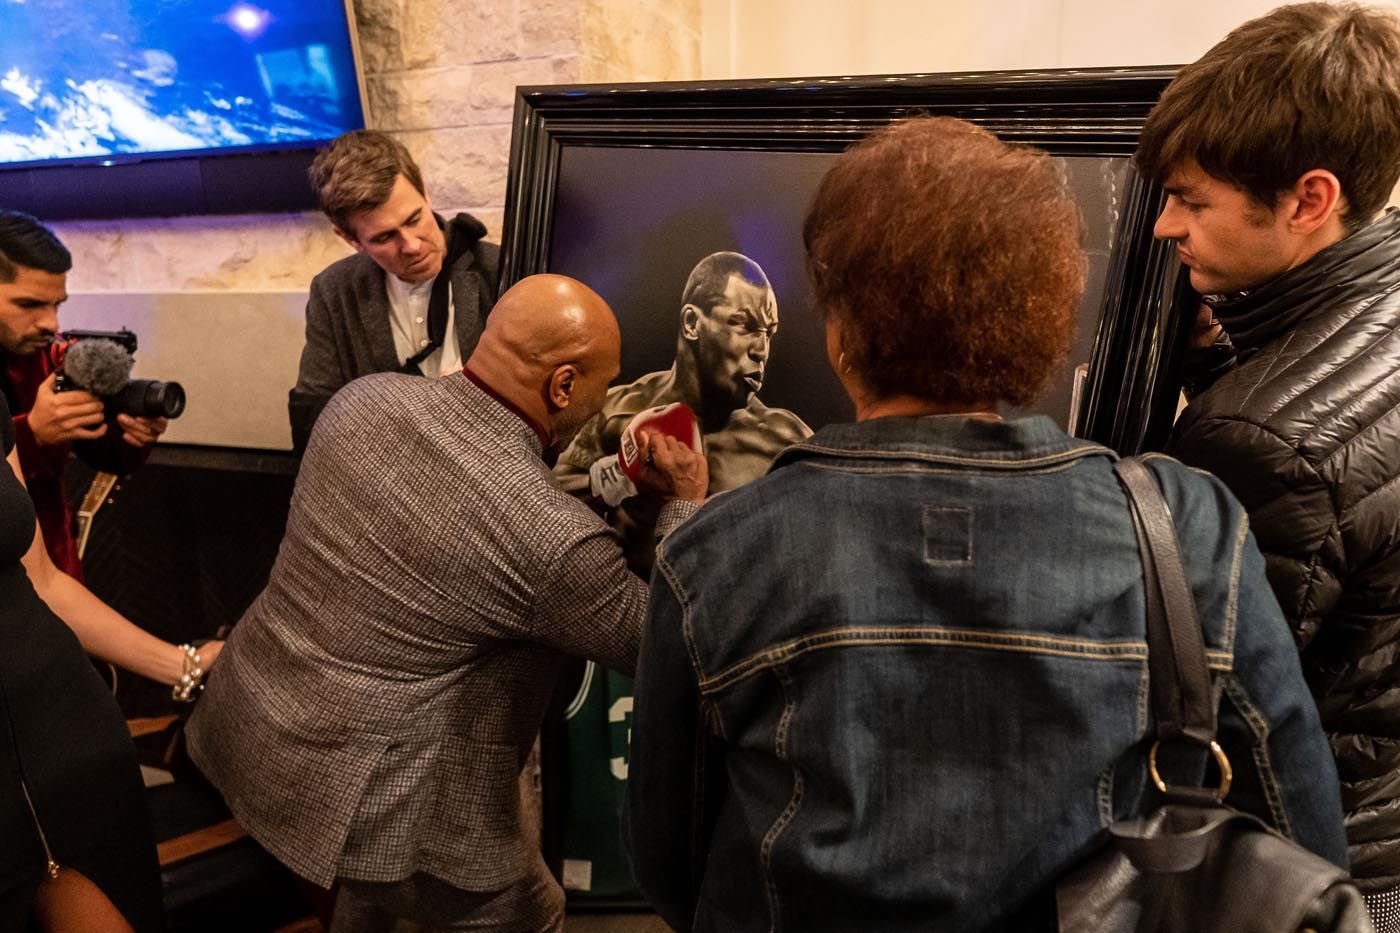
(191, 677)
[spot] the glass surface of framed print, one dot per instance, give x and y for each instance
(668, 197)
(628, 188)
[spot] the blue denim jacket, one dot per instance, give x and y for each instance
(900, 682)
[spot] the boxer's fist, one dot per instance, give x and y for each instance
(675, 420)
(614, 478)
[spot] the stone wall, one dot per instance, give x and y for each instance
(442, 74)
(439, 74)
(633, 40)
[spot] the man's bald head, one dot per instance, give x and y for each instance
(551, 346)
(545, 320)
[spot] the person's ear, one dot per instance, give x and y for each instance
(690, 322)
(354, 243)
(1316, 197)
(559, 390)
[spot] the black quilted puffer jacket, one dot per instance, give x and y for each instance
(1305, 430)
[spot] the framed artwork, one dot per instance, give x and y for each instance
(671, 198)
(628, 188)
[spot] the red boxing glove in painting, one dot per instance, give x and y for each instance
(613, 479)
(675, 419)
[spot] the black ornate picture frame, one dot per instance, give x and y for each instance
(627, 187)
(1129, 397)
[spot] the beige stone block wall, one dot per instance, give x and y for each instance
(641, 40)
(439, 74)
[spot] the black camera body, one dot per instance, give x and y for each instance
(99, 362)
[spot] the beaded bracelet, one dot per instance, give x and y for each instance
(191, 678)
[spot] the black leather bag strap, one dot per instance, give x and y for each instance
(1178, 674)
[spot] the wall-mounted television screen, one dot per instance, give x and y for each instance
(84, 79)
(107, 83)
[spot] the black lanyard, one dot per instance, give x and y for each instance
(456, 245)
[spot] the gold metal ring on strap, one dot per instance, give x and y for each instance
(1227, 774)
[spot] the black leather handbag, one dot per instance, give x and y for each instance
(1194, 864)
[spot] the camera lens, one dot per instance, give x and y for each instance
(150, 398)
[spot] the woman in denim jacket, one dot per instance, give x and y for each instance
(900, 682)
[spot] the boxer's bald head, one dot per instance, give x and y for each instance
(551, 346)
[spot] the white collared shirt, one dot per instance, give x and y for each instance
(408, 319)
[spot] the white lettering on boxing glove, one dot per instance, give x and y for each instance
(607, 482)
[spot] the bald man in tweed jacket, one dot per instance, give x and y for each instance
(372, 711)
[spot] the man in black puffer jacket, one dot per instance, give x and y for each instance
(1278, 151)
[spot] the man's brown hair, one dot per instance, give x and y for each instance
(1308, 86)
(949, 260)
(356, 172)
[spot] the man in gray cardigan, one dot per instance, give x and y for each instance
(372, 712)
(414, 296)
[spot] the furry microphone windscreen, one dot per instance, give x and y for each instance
(102, 367)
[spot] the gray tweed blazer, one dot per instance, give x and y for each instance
(348, 334)
(372, 711)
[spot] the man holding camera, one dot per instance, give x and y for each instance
(49, 423)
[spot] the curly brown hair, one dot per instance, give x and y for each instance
(356, 172)
(1312, 85)
(950, 262)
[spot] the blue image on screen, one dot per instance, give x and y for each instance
(87, 79)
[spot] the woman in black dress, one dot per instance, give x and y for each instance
(75, 846)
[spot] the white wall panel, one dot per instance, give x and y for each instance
(789, 38)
